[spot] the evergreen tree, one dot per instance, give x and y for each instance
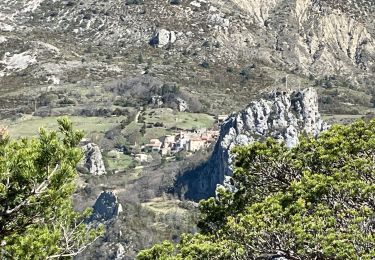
(37, 180)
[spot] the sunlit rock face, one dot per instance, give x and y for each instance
(282, 116)
(93, 160)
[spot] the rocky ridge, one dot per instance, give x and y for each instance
(282, 115)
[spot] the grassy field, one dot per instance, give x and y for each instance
(122, 162)
(164, 206)
(29, 126)
(155, 132)
(181, 120)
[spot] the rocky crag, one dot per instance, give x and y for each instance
(93, 160)
(107, 207)
(282, 115)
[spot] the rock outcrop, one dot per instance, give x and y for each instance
(283, 116)
(93, 160)
(157, 101)
(182, 105)
(106, 207)
(120, 253)
(163, 37)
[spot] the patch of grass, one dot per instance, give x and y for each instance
(170, 119)
(194, 120)
(164, 206)
(122, 162)
(29, 126)
(183, 120)
(155, 132)
(132, 127)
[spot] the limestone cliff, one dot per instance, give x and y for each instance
(282, 115)
(317, 36)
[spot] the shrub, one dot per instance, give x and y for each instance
(37, 181)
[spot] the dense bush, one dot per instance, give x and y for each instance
(205, 64)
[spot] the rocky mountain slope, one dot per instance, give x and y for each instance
(218, 50)
(283, 116)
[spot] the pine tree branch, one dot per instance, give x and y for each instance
(36, 192)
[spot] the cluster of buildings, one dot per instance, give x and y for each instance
(182, 141)
(189, 141)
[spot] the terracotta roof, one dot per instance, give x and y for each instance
(196, 139)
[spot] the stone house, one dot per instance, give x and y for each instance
(165, 151)
(141, 157)
(210, 137)
(195, 144)
(180, 145)
(169, 141)
(153, 146)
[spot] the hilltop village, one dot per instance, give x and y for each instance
(169, 145)
(159, 137)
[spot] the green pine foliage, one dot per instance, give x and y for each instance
(37, 180)
(314, 201)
